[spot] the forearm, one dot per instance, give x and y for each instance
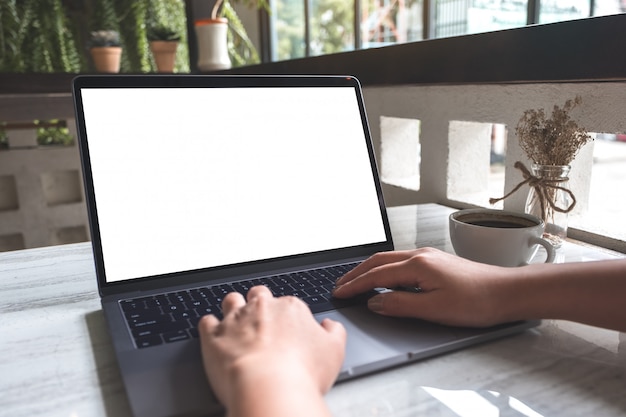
(586, 292)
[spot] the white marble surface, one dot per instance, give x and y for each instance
(56, 358)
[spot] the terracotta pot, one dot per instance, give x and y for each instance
(212, 44)
(106, 58)
(164, 53)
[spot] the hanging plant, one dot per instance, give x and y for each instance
(53, 35)
(36, 36)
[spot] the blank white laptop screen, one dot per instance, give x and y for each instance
(191, 178)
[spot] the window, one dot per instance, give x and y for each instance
(301, 28)
(400, 152)
(385, 22)
(476, 165)
(604, 213)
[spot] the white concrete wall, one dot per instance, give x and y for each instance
(603, 110)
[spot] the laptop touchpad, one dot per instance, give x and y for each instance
(376, 342)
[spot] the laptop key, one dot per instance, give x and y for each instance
(145, 331)
(153, 303)
(321, 307)
(298, 293)
(144, 314)
(215, 301)
(208, 310)
(183, 296)
(147, 341)
(302, 285)
(174, 307)
(284, 279)
(149, 321)
(316, 291)
(197, 303)
(242, 287)
(315, 299)
(183, 314)
(200, 293)
(176, 336)
(132, 305)
(280, 290)
(221, 290)
(194, 321)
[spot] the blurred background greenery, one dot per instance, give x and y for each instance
(46, 36)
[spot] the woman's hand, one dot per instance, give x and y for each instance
(451, 290)
(270, 355)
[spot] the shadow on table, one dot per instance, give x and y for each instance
(112, 388)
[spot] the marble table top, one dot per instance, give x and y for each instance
(56, 357)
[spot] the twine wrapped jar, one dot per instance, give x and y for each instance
(551, 200)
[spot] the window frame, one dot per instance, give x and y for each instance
(429, 9)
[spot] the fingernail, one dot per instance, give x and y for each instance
(336, 288)
(375, 303)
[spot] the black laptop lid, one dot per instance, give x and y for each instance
(196, 177)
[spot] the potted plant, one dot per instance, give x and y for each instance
(106, 50)
(163, 44)
(223, 40)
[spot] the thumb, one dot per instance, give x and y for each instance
(336, 330)
(336, 353)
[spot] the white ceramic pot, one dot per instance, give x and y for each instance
(212, 44)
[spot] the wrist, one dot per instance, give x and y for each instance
(513, 296)
(531, 292)
(264, 388)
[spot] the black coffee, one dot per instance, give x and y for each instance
(497, 223)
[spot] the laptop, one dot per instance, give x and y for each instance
(201, 185)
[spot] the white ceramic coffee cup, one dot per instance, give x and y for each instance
(498, 237)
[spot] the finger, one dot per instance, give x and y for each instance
(259, 291)
(374, 261)
(335, 329)
(397, 304)
(209, 330)
(207, 325)
(424, 306)
(335, 350)
(233, 301)
(389, 275)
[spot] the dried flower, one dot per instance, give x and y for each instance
(555, 140)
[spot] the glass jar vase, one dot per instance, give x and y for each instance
(551, 200)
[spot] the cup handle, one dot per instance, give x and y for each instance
(550, 251)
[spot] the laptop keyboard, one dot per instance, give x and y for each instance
(174, 316)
